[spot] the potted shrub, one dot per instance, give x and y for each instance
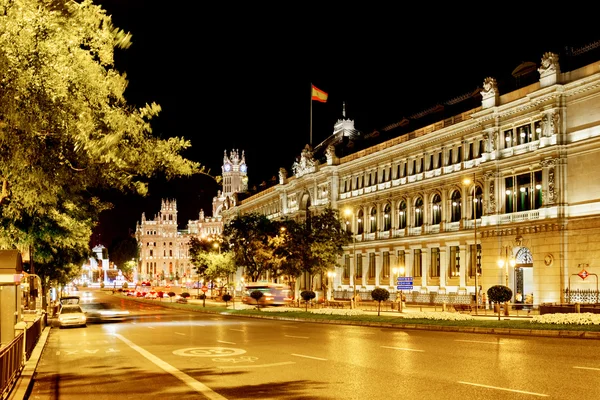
(226, 298)
(257, 295)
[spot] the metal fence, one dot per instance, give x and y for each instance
(15, 354)
(581, 296)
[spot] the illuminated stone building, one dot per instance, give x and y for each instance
(495, 187)
(164, 249)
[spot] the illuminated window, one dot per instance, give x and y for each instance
(435, 262)
(417, 264)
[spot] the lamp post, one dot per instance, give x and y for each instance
(505, 261)
(348, 213)
(466, 182)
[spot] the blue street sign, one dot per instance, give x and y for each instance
(404, 283)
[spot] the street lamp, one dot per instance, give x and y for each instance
(466, 182)
(505, 261)
(348, 213)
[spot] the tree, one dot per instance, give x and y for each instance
(257, 295)
(379, 295)
(251, 239)
(307, 295)
(312, 246)
(499, 294)
(67, 133)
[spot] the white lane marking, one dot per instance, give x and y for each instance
(402, 348)
(290, 326)
(185, 378)
(590, 368)
(91, 351)
(222, 341)
(312, 358)
(179, 333)
(297, 337)
(150, 327)
(257, 366)
(238, 330)
(478, 341)
(505, 389)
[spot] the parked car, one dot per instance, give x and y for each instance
(103, 312)
(71, 315)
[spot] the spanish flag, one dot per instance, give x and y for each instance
(318, 94)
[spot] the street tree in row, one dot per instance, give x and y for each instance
(67, 132)
(253, 238)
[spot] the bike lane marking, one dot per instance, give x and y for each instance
(185, 378)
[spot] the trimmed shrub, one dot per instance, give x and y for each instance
(257, 295)
(226, 298)
(125, 285)
(307, 295)
(185, 295)
(379, 295)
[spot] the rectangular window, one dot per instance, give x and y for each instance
(459, 157)
(414, 167)
(359, 265)
(400, 260)
(346, 267)
(417, 264)
(421, 162)
(508, 139)
(435, 262)
(470, 155)
(404, 168)
(385, 271)
(450, 157)
(481, 148)
(430, 166)
(371, 265)
(537, 194)
(454, 262)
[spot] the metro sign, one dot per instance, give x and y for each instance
(583, 274)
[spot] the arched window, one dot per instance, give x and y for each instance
(402, 215)
(360, 225)
(387, 218)
(418, 212)
(455, 206)
(373, 219)
(478, 203)
(436, 210)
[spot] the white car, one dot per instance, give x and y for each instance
(71, 315)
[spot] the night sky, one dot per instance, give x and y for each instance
(238, 77)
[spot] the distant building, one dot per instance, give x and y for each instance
(164, 249)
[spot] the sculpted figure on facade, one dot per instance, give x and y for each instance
(490, 87)
(330, 153)
(549, 63)
(282, 175)
(306, 163)
(554, 123)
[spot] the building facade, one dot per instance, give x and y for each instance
(164, 248)
(501, 193)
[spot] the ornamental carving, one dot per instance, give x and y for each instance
(282, 175)
(306, 164)
(549, 63)
(490, 87)
(551, 194)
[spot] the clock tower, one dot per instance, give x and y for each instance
(235, 180)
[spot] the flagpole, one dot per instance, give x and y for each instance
(310, 128)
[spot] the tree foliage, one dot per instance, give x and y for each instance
(252, 238)
(379, 295)
(66, 130)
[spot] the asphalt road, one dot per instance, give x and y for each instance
(168, 354)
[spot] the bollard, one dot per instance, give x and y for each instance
(444, 306)
(577, 308)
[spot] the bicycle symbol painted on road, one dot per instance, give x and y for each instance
(209, 352)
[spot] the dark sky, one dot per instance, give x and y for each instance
(238, 77)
